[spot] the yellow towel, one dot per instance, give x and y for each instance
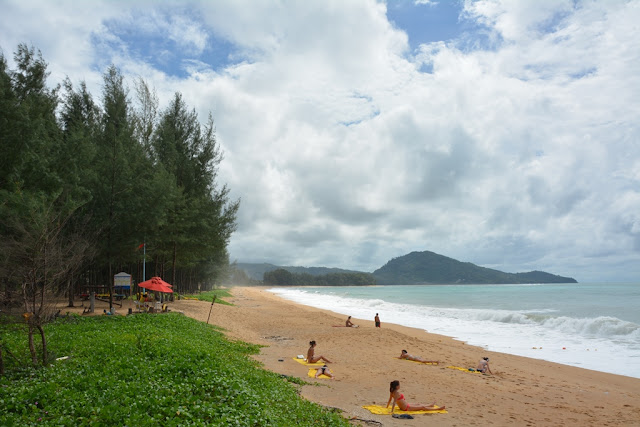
(423, 363)
(463, 369)
(382, 410)
(312, 374)
(304, 362)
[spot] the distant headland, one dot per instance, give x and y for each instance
(415, 268)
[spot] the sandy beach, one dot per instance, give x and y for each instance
(522, 391)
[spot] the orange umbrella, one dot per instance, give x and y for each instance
(156, 284)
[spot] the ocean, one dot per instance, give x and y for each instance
(594, 326)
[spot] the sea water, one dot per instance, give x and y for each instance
(594, 326)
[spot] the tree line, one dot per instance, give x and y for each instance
(282, 277)
(84, 183)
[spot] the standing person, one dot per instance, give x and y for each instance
(311, 358)
(483, 366)
(377, 319)
(350, 324)
(398, 398)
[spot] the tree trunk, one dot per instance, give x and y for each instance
(45, 356)
(32, 347)
(155, 265)
(71, 292)
(173, 268)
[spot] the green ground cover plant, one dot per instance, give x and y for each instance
(148, 370)
(208, 296)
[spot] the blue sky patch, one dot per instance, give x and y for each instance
(154, 44)
(441, 21)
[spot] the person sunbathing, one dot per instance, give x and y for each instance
(405, 355)
(324, 371)
(350, 324)
(311, 357)
(398, 398)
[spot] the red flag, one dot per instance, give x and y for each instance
(140, 247)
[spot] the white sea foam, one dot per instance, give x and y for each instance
(600, 343)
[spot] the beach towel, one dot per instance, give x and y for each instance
(473, 371)
(312, 374)
(382, 410)
(415, 361)
(304, 362)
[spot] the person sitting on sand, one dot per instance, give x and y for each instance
(310, 356)
(405, 355)
(350, 324)
(398, 398)
(324, 371)
(483, 366)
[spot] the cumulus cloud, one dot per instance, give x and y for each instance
(349, 148)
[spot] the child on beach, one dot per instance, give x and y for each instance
(311, 358)
(398, 398)
(405, 355)
(377, 320)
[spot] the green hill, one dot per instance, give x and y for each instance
(256, 271)
(431, 268)
(416, 268)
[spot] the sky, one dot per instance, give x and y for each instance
(502, 133)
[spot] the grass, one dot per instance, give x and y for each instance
(208, 296)
(148, 370)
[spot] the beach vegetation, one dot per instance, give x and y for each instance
(147, 370)
(86, 183)
(219, 294)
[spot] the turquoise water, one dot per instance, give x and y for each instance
(594, 326)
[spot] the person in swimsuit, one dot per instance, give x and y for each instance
(398, 398)
(350, 324)
(377, 320)
(324, 370)
(311, 358)
(483, 366)
(405, 355)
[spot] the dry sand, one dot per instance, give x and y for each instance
(522, 391)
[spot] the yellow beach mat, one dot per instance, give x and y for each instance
(304, 362)
(415, 361)
(312, 374)
(463, 369)
(382, 410)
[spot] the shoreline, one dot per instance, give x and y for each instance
(522, 391)
(531, 338)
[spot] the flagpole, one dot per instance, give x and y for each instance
(144, 263)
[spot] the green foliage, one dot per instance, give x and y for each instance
(117, 175)
(148, 370)
(282, 277)
(208, 296)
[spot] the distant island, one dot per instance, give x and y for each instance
(421, 268)
(415, 268)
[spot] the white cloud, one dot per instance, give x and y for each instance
(519, 157)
